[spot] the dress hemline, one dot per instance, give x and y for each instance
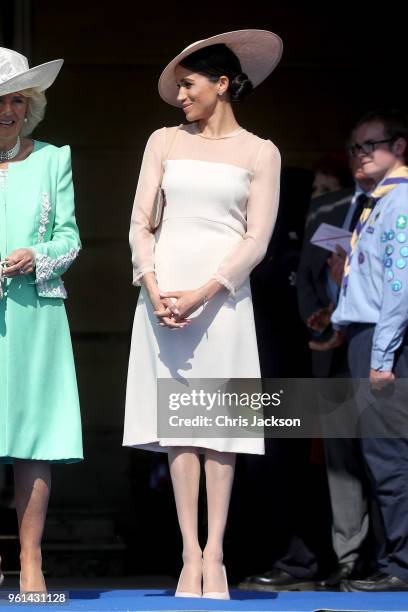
(156, 447)
(9, 459)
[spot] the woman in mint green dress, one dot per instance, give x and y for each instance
(39, 408)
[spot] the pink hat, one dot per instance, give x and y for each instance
(258, 51)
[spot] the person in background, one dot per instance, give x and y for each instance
(372, 314)
(292, 465)
(318, 288)
(298, 567)
(331, 173)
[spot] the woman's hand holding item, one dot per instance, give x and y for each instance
(20, 261)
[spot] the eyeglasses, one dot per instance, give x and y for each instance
(367, 147)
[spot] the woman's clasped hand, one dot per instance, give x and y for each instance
(173, 308)
(20, 261)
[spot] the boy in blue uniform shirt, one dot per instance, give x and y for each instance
(372, 312)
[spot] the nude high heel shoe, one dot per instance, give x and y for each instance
(179, 593)
(219, 594)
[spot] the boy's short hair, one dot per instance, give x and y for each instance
(395, 124)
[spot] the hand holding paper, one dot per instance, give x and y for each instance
(329, 236)
(336, 263)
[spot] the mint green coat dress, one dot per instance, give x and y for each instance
(39, 407)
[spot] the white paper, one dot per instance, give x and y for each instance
(329, 236)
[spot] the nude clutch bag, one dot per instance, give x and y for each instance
(156, 215)
(159, 203)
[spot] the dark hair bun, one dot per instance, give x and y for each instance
(240, 87)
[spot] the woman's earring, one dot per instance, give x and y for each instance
(25, 119)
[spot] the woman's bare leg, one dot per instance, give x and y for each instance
(32, 489)
(185, 475)
(219, 473)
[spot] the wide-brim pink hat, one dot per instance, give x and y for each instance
(16, 75)
(258, 51)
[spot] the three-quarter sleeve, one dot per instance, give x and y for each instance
(262, 209)
(140, 237)
(58, 242)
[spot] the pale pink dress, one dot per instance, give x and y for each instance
(222, 198)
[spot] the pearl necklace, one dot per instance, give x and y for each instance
(11, 153)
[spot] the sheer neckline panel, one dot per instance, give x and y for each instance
(195, 130)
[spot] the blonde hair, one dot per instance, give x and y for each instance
(37, 103)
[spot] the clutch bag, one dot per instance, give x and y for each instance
(157, 210)
(159, 203)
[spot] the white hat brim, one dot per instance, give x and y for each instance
(258, 51)
(41, 77)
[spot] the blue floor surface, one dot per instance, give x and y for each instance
(242, 601)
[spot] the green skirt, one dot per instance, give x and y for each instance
(39, 406)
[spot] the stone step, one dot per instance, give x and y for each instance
(83, 543)
(75, 543)
(74, 526)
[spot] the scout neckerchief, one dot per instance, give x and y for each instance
(398, 176)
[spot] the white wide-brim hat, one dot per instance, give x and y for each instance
(258, 51)
(15, 74)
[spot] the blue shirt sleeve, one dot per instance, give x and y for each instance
(393, 319)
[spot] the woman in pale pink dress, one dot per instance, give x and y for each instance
(194, 317)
